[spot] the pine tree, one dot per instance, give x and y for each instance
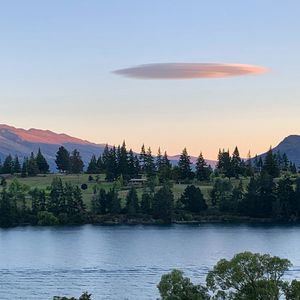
(93, 166)
(193, 200)
(63, 160)
(202, 170)
(249, 171)
(158, 161)
(165, 170)
(76, 163)
(133, 165)
(32, 167)
(111, 165)
(56, 203)
(113, 202)
(163, 204)
(16, 165)
(24, 171)
(7, 167)
(236, 163)
(142, 158)
(149, 165)
(146, 203)
(122, 161)
(100, 165)
(184, 164)
(224, 163)
(42, 163)
(132, 202)
(105, 156)
(270, 165)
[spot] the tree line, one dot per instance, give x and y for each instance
(118, 162)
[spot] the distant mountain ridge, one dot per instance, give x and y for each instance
(21, 142)
(291, 147)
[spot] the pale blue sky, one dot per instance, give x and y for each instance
(57, 57)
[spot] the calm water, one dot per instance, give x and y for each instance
(125, 262)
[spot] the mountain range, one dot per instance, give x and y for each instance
(21, 142)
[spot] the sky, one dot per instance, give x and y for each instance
(58, 60)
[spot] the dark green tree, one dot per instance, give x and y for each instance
(76, 163)
(132, 202)
(24, 171)
(42, 163)
(202, 170)
(193, 200)
(163, 204)
(8, 166)
(184, 164)
(149, 165)
(113, 202)
(236, 163)
(146, 203)
(32, 167)
(92, 166)
(16, 165)
(270, 165)
(63, 160)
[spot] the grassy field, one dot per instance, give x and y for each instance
(44, 181)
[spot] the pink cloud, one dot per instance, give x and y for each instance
(189, 70)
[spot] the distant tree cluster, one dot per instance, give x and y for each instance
(61, 204)
(273, 164)
(67, 162)
(31, 166)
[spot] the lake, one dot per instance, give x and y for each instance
(126, 262)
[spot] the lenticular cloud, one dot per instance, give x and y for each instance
(189, 70)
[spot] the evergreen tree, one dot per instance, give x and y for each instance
(165, 170)
(24, 171)
(133, 165)
(193, 200)
(158, 161)
(100, 165)
(270, 165)
(76, 163)
(249, 171)
(111, 165)
(142, 158)
(221, 194)
(224, 163)
(163, 204)
(8, 166)
(56, 203)
(123, 161)
(63, 160)
(7, 210)
(42, 163)
(236, 163)
(184, 164)
(146, 203)
(149, 165)
(132, 202)
(16, 165)
(113, 202)
(286, 198)
(93, 166)
(202, 170)
(32, 167)
(105, 157)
